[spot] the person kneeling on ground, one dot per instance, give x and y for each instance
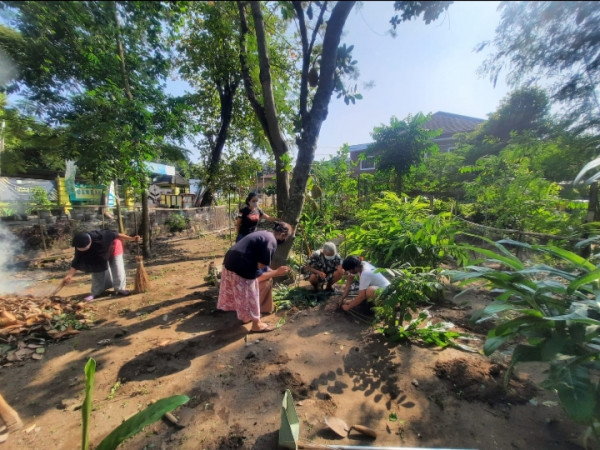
(368, 285)
(325, 266)
(101, 254)
(246, 278)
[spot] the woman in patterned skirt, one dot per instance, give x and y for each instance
(246, 278)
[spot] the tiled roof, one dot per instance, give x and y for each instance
(448, 122)
(451, 123)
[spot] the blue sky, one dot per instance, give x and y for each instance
(425, 68)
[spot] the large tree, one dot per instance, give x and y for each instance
(324, 68)
(402, 145)
(100, 68)
(555, 43)
(209, 62)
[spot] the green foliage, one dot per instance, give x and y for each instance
(549, 312)
(177, 222)
(397, 307)
(402, 145)
(394, 229)
(86, 407)
(534, 38)
(286, 297)
(39, 199)
(510, 192)
(28, 143)
(129, 427)
(135, 424)
(98, 68)
(410, 10)
(336, 186)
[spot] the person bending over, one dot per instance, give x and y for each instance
(246, 277)
(101, 254)
(369, 284)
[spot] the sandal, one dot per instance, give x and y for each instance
(123, 293)
(89, 298)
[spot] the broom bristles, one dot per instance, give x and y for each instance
(142, 282)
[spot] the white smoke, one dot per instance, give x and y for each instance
(10, 246)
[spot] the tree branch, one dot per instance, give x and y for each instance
(248, 84)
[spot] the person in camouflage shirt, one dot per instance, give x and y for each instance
(325, 266)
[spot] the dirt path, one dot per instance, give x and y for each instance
(172, 340)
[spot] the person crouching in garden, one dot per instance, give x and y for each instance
(246, 278)
(325, 266)
(101, 254)
(369, 284)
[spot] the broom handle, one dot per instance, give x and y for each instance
(137, 244)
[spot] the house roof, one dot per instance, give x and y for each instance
(170, 180)
(448, 122)
(451, 123)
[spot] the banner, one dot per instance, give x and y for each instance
(20, 190)
(160, 169)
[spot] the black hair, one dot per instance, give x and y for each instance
(282, 227)
(251, 195)
(81, 240)
(351, 263)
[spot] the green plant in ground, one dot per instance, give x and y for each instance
(396, 229)
(131, 426)
(286, 297)
(551, 313)
(177, 222)
(397, 307)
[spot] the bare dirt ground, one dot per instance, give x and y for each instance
(172, 340)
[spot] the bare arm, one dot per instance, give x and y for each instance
(70, 273)
(362, 295)
(238, 224)
(274, 273)
(311, 269)
(269, 218)
(125, 237)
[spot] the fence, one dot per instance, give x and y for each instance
(48, 231)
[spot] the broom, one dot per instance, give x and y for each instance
(142, 282)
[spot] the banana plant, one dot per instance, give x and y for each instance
(131, 426)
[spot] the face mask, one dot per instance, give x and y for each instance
(329, 258)
(253, 204)
(280, 241)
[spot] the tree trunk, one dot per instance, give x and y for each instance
(291, 201)
(226, 96)
(119, 213)
(125, 78)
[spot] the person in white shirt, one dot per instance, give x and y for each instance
(368, 285)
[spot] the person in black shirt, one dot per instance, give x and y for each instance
(101, 254)
(249, 217)
(246, 278)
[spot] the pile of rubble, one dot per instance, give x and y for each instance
(28, 323)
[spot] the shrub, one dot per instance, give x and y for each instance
(551, 313)
(177, 222)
